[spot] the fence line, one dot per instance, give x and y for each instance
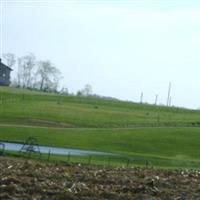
(86, 160)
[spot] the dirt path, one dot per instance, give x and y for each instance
(91, 128)
(21, 179)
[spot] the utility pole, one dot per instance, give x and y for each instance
(156, 100)
(169, 91)
(170, 101)
(141, 97)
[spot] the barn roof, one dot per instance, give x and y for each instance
(1, 64)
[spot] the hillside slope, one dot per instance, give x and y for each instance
(164, 136)
(35, 108)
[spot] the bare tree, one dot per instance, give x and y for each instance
(31, 74)
(64, 91)
(48, 76)
(19, 74)
(86, 91)
(25, 74)
(10, 59)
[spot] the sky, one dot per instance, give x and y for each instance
(121, 48)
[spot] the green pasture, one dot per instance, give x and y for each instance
(166, 136)
(19, 106)
(161, 146)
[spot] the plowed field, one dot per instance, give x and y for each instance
(21, 179)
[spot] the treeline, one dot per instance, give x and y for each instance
(32, 73)
(41, 75)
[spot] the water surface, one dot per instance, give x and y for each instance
(53, 150)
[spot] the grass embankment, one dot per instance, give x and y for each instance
(103, 125)
(160, 146)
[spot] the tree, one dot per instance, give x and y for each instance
(48, 76)
(86, 91)
(25, 74)
(64, 91)
(10, 59)
(31, 74)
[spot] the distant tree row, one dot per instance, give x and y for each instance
(40, 75)
(33, 74)
(86, 91)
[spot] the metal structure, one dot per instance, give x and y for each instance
(30, 146)
(2, 148)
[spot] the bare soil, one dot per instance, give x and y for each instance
(27, 179)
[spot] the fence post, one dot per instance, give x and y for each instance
(108, 161)
(68, 158)
(147, 163)
(128, 162)
(23, 97)
(2, 149)
(49, 154)
(29, 154)
(89, 159)
(3, 109)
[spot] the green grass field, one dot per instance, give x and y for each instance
(167, 137)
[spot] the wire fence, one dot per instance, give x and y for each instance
(69, 158)
(30, 151)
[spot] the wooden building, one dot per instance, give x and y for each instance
(4, 74)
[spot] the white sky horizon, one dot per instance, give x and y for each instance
(121, 48)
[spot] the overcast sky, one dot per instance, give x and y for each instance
(121, 48)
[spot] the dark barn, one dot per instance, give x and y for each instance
(4, 74)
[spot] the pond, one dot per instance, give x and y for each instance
(53, 150)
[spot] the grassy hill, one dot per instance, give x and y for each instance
(166, 136)
(26, 107)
